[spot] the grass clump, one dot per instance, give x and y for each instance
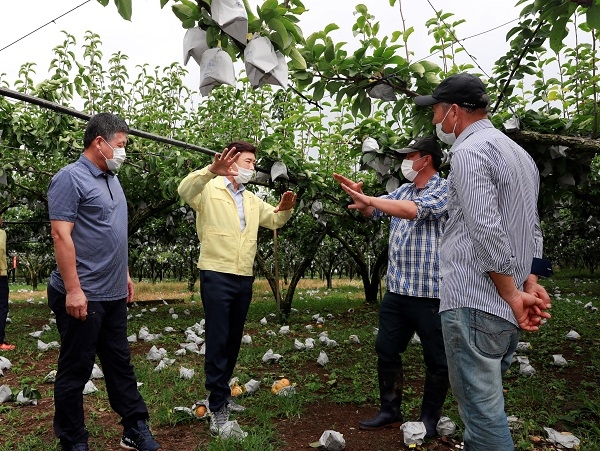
(564, 398)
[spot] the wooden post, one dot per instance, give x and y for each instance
(276, 258)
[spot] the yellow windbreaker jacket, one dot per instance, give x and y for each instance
(3, 263)
(223, 247)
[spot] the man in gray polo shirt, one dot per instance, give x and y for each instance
(90, 289)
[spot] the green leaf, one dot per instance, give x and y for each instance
(297, 60)
(368, 157)
(390, 51)
(188, 23)
(429, 66)
(318, 50)
(593, 16)
(212, 36)
(329, 53)
(355, 106)
(318, 91)
(124, 7)
(358, 54)
(397, 60)
(269, 4)
(279, 27)
(182, 12)
(254, 26)
(365, 106)
(361, 8)
(103, 2)
(162, 3)
(331, 27)
(417, 68)
(559, 33)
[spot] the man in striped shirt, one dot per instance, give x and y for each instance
(418, 213)
(492, 236)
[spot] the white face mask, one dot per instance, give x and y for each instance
(118, 158)
(244, 175)
(407, 169)
(448, 138)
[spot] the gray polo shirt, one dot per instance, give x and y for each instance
(94, 201)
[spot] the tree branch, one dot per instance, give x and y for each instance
(575, 144)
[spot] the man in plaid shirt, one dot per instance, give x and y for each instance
(418, 212)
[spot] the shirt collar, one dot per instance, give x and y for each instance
(95, 170)
(432, 181)
(229, 184)
(474, 127)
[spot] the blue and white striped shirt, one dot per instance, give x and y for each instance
(493, 224)
(413, 256)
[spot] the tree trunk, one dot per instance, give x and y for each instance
(309, 255)
(371, 285)
(34, 281)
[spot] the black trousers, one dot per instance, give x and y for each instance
(3, 305)
(399, 318)
(103, 333)
(226, 299)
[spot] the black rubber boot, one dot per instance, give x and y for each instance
(434, 395)
(390, 394)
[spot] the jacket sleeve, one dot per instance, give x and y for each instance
(192, 185)
(271, 220)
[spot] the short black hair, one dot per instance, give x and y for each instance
(106, 125)
(435, 159)
(242, 146)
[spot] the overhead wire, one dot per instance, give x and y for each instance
(456, 40)
(472, 36)
(45, 25)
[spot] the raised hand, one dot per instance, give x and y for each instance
(360, 200)
(223, 163)
(356, 186)
(287, 202)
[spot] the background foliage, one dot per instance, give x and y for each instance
(315, 128)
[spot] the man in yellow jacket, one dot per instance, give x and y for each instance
(227, 221)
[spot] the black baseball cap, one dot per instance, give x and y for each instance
(463, 89)
(427, 144)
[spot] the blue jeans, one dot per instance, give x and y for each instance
(479, 348)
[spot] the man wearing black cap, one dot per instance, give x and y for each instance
(411, 302)
(492, 235)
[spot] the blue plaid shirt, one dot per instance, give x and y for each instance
(413, 256)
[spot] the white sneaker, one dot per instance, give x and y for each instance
(233, 406)
(218, 419)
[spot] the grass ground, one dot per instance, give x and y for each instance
(563, 398)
